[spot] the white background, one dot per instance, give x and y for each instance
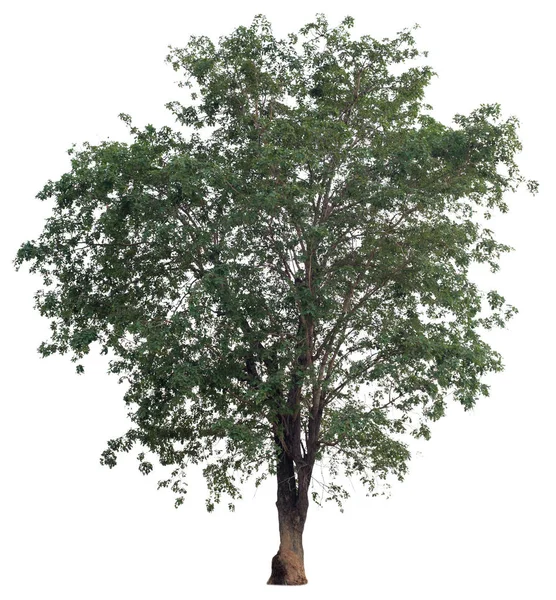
(475, 516)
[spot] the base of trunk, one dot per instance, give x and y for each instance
(287, 569)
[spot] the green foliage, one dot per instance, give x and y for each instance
(295, 254)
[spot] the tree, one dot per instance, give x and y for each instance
(284, 280)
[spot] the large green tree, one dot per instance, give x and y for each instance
(283, 280)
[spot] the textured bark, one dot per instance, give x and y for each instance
(294, 469)
(288, 565)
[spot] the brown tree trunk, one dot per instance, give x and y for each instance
(287, 565)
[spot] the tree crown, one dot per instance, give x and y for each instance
(294, 257)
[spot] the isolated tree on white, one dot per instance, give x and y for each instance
(283, 280)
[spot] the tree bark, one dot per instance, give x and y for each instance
(288, 564)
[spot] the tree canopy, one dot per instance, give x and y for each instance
(284, 276)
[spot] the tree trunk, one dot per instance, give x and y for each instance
(287, 565)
